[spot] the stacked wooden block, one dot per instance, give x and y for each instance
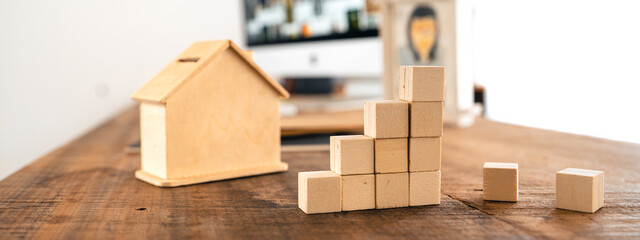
(396, 163)
(423, 89)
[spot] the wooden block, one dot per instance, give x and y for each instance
(386, 119)
(422, 83)
(391, 155)
(580, 190)
(426, 119)
(351, 154)
(500, 181)
(392, 190)
(425, 154)
(424, 188)
(319, 192)
(358, 192)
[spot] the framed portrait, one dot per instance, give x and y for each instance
(425, 33)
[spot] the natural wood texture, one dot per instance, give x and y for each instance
(319, 192)
(392, 190)
(209, 134)
(246, 172)
(358, 192)
(424, 188)
(580, 189)
(391, 155)
(218, 118)
(422, 83)
(425, 154)
(386, 119)
(153, 134)
(86, 190)
(500, 181)
(425, 119)
(198, 56)
(352, 154)
(315, 123)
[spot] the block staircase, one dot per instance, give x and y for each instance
(396, 163)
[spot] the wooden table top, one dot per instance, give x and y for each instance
(87, 190)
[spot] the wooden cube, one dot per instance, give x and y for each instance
(426, 119)
(392, 190)
(391, 155)
(351, 154)
(500, 181)
(422, 83)
(386, 119)
(319, 192)
(425, 154)
(358, 192)
(424, 188)
(580, 190)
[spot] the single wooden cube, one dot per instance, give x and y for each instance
(358, 192)
(422, 83)
(425, 154)
(386, 119)
(319, 192)
(426, 119)
(392, 190)
(500, 181)
(424, 188)
(351, 154)
(580, 190)
(391, 155)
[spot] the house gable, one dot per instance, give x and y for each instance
(188, 64)
(223, 120)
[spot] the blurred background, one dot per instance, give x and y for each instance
(572, 66)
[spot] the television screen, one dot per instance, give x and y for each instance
(285, 21)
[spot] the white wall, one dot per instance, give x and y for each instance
(67, 66)
(571, 66)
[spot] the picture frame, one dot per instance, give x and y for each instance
(432, 33)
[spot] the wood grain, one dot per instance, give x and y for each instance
(189, 63)
(351, 154)
(386, 119)
(318, 123)
(237, 128)
(421, 83)
(425, 119)
(86, 189)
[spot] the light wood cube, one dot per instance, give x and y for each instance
(319, 192)
(391, 155)
(392, 190)
(500, 181)
(426, 119)
(424, 188)
(580, 190)
(425, 154)
(351, 154)
(358, 192)
(386, 119)
(422, 83)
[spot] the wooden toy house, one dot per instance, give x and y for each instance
(211, 114)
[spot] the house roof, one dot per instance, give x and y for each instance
(188, 64)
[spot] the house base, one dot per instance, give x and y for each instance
(160, 182)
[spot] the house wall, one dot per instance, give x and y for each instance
(224, 119)
(153, 135)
